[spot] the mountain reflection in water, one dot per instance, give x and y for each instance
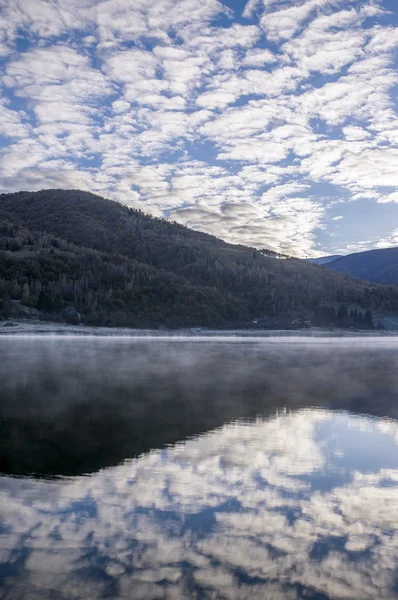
(198, 470)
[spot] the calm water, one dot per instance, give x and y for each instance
(233, 469)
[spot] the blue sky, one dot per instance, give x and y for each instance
(271, 123)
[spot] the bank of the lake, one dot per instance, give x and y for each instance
(34, 327)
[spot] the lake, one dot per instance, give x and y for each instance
(198, 468)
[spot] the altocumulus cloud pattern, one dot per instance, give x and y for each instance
(271, 123)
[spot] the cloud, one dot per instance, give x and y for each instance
(45, 19)
(212, 100)
(292, 91)
(384, 39)
(354, 134)
(13, 124)
(259, 58)
(391, 241)
(323, 49)
(283, 24)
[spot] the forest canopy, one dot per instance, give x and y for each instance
(72, 255)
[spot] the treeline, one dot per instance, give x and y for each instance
(327, 316)
(66, 252)
(272, 254)
(52, 275)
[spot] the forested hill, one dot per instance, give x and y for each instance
(65, 251)
(378, 266)
(324, 260)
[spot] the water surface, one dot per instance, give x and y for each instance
(198, 469)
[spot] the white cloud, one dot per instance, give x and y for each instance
(13, 124)
(259, 58)
(392, 240)
(283, 24)
(101, 88)
(354, 134)
(44, 18)
(384, 39)
(216, 99)
(389, 198)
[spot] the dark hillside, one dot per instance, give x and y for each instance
(70, 250)
(324, 260)
(94, 222)
(378, 266)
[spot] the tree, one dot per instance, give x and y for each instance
(109, 259)
(342, 316)
(368, 320)
(15, 290)
(45, 302)
(25, 292)
(325, 316)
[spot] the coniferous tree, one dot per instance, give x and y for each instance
(70, 249)
(368, 320)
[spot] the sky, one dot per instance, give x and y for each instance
(271, 123)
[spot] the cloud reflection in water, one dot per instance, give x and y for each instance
(302, 504)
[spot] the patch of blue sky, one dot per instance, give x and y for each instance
(391, 18)
(92, 161)
(16, 102)
(319, 127)
(5, 141)
(363, 221)
(203, 150)
(22, 42)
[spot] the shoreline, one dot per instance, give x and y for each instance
(22, 327)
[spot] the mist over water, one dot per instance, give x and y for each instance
(134, 468)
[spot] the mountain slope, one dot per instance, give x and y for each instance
(324, 260)
(116, 266)
(378, 266)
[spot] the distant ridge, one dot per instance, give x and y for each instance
(324, 260)
(377, 266)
